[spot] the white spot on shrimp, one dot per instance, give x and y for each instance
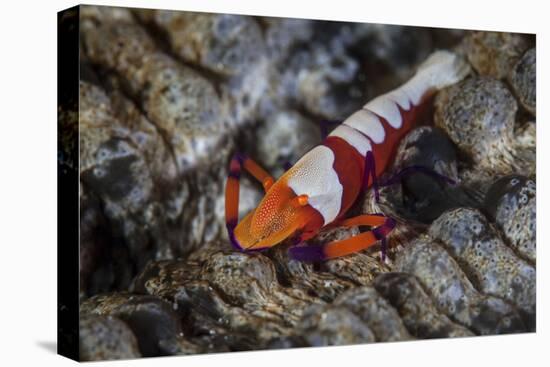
(314, 176)
(354, 138)
(386, 108)
(367, 123)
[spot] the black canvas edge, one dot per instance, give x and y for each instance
(68, 257)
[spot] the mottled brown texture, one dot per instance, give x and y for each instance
(511, 201)
(223, 43)
(228, 49)
(181, 103)
(454, 293)
(375, 311)
(523, 78)
(478, 114)
(334, 325)
(103, 338)
(244, 300)
(494, 53)
(154, 322)
(300, 275)
(492, 266)
(117, 163)
(416, 308)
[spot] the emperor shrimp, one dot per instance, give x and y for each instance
(319, 189)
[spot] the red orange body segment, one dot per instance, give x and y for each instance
(323, 185)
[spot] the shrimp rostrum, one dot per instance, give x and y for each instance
(322, 186)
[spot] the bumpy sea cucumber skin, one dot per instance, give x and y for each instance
(492, 266)
(330, 325)
(139, 312)
(106, 338)
(176, 99)
(416, 308)
(478, 115)
(453, 292)
(494, 53)
(523, 78)
(511, 203)
(376, 311)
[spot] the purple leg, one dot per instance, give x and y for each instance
(416, 169)
(231, 230)
(316, 253)
(307, 253)
(370, 170)
(302, 252)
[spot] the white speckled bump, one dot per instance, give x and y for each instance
(314, 176)
(367, 123)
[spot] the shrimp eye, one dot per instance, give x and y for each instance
(300, 200)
